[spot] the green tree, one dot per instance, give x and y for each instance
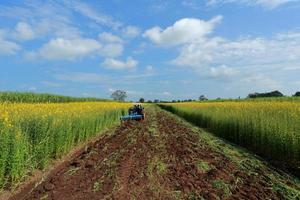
(119, 95)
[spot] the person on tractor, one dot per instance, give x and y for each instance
(137, 110)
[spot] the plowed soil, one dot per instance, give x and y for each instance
(163, 157)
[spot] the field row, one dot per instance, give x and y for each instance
(270, 129)
(31, 135)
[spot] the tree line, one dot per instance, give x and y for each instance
(120, 95)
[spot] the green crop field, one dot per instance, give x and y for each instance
(27, 97)
(268, 128)
(31, 135)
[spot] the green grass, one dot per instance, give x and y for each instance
(156, 166)
(97, 186)
(220, 184)
(203, 166)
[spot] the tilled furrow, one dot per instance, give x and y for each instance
(158, 158)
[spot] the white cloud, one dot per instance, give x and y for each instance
(131, 31)
(191, 4)
(24, 31)
(49, 27)
(252, 58)
(112, 50)
(222, 72)
(110, 38)
(113, 45)
(36, 20)
(270, 4)
(93, 14)
(187, 30)
(7, 47)
(77, 48)
(250, 53)
(111, 63)
(68, 49)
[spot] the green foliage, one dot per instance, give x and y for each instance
(29, 139)
(267, 94)
(28, 97)
(268, 128)
(297, 94)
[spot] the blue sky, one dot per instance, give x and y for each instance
(156, 49)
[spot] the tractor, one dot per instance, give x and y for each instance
(136, 112)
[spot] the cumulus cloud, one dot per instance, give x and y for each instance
(24, 31)
(245, 52)
(76, 48)
(36, 19)
(187, 30)
(68, 49)
(113, 45)
(251, 58)
(110, 38)
(111, 63)
(131, 31)
(7, 47)
(111, 50)
(270, 4)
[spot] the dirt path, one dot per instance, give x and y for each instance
(164, 158)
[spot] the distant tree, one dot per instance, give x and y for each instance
(119, 95)
(297, 94)
(142, 100)
(202, 98)
(275, 93)
(149, 101)
(156, 101)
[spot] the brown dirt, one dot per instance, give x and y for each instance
(159, 158)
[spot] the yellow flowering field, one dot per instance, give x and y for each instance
(269, 128)
(31, 135)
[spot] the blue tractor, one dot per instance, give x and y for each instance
(134, 113)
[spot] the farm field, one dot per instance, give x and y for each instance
(28, 97)
(268, 128)
(149, 99)
(32, 135)
(164, 157)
